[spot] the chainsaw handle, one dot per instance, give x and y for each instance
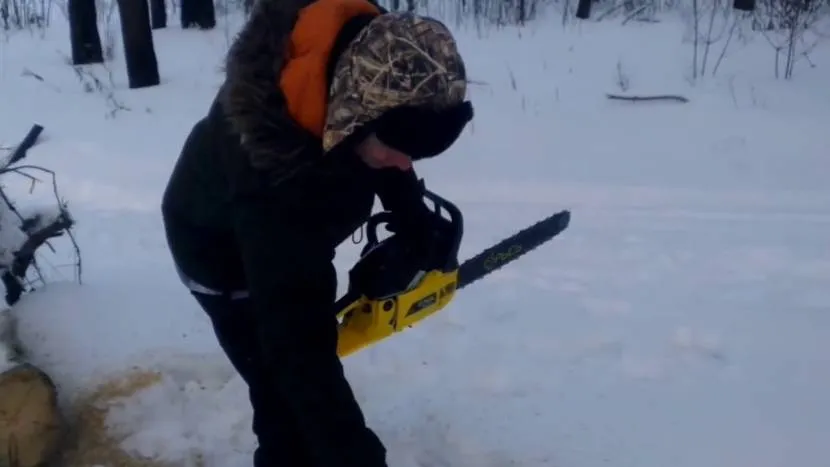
(456, 220)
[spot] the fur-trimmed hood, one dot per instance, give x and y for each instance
(304, 76)
(253, 99)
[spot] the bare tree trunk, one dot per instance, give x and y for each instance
(4, 14)
(83, 32)
(583, 9)
(744, 5)
(199, 13)
(158, 12)
(142, 65)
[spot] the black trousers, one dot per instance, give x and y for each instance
(280, 442)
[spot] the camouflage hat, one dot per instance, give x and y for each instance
(397, 59)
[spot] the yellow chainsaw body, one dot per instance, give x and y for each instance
(367, 321)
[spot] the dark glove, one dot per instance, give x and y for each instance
(421, 132)
(410, 219)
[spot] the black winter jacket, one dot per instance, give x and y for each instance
(236, 207)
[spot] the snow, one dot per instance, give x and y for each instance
(682, 319)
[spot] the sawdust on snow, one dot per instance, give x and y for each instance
(90, 444)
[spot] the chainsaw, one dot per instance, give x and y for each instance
(394, 286)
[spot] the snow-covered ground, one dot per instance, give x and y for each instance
(682, 320)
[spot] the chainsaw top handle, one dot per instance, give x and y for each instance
(448, 231)
(392, 266)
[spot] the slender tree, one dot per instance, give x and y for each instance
(142, 65)
(198, 13)
(158, 13)
(744, 5)
(83, 32)
(583, 9)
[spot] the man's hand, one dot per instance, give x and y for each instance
(402, 195)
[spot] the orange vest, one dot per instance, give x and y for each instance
(303, 78)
